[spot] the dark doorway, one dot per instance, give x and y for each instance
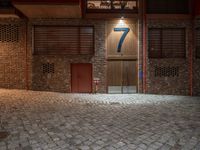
(81, 78)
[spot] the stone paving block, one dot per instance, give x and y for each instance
(60, 121)
(27, 148)
(142, 146)
(3, 148)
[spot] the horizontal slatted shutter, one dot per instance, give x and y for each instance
(86, 40)
(173, 43)
(61, 40)
(167, 43)
(198, 42)
(154, 43)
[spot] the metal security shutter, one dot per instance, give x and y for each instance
(173, 43)
(63, 40)
(155, 43)
(167, 43)
(198, 42)
(86, 40)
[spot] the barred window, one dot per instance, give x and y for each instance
(167, 43)
(67, 40)
(198, 42)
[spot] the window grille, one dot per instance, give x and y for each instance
(9, 33)
(48, 68)
(169, 71)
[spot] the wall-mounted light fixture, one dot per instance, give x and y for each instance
(121, 22)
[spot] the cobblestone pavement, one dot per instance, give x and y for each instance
(58, 121)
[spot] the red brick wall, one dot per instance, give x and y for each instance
(13, 58)
(60, 80)
(170, 85)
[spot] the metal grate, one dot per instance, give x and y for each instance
(48, 68)
(9, 33)
(166, 71)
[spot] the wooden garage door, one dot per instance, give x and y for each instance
(122, 76)
(81, 78)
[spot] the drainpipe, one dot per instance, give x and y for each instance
(26, 51)
(191, 65)
(144, 47)
(82, 5)
(191, 52)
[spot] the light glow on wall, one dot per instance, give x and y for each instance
(121, 22)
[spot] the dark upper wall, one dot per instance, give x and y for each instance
(46, 1)
(197, 7)
(167, 6)
(5, 4)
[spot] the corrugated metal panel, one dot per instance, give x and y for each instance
(63, 40)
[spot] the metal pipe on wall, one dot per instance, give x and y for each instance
(191, 66)
(144, 46)
(26, 51)
(191, 47)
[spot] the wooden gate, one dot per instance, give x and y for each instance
(81, 78)
(122, 76)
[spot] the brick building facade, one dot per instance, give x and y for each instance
(21, 68)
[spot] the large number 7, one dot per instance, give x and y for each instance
(125, 30)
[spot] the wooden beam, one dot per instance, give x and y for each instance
(12, 12)
(7, 11)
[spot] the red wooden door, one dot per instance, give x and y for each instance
(81, 78)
